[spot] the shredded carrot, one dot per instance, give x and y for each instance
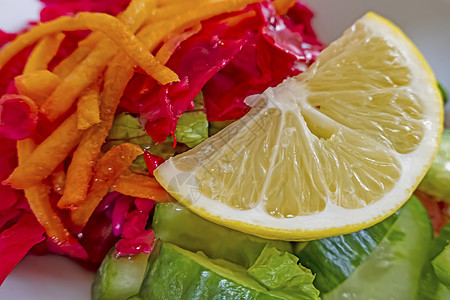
(233, 21)
(47, 155)
(78, 80)
(107, 169)
(58, 179)
(65, 67)
(43, 53)
(88, 110)
(108, 25)
(79, 172)
(140, 186)
(37, 85)
(154, 33)
(39, 201)
(133, 16)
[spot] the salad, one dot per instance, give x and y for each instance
(87, 118)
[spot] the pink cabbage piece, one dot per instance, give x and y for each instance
(135, 237)
(121, 208)
(152, 162)
(16, 241)
(18, 117)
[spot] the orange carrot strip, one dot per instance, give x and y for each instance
(39, 201)
(43, 53)
(79, 172)
(233, 21)
(140, 186)
(88, 110)
(65, 67)
(37, 85)
(136, 13)
(127, 41)
(133, 16)
(108, 25)
(47, 156)
(59, 179)
(153, 34)
(173, 41)
(282, 6)
(106, 171)
(78, 80)
(88, 71)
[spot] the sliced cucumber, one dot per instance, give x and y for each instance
(176, 224)
(334, 259)
(119, 278)
(393, 269)
(175, 273)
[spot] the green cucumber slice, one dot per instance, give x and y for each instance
(436, 181)
(176, 273)
(119, 278)
(393, 269)
(334, 259)
(176, 224)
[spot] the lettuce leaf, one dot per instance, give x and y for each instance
(436, 181)
(127, 128)
(278, 271)
(441, 266)
(430, 288)
(192, 128)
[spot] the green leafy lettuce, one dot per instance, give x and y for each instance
(437, 180)
(191, 130)
(279, 271)
(441, 265)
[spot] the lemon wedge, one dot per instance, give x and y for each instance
(332, 151)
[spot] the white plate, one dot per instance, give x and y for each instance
(425, 22)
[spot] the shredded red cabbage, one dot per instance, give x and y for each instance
(135, 237)
(152, 162)
(276, 48)
(18, 117)
(16, 241)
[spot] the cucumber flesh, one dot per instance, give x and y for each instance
(334, 259)
(393, 269)
(119, 278)
(176, 273)
(174, 223)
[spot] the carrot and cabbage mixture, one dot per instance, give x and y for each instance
(100, 93)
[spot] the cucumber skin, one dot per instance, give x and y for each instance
(335, 258)
(171, 276)
(119, 278)
(393, 270)
(174, 223)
